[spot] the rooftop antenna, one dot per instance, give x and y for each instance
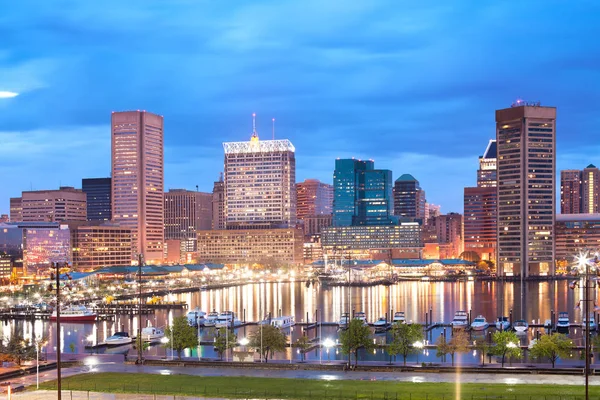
(273, 128)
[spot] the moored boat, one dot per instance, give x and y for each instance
(502, 323)
(361, 316)
(344, 321)
(589, 324)
(563, 324)
(460, 321)
(75, 314)
(381, 325)
(226, 319)
(211, 318)
(521, 326)
(118, 339)
(196, 317)
(480, 323)
(399, 317)
(283, 322)
(152, 334)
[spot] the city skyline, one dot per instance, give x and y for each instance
(327, 91)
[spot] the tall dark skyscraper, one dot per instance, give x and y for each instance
(98, 198)
(409, 198)
(362, 194)
(526, 139)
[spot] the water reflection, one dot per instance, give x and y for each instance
(254, 301)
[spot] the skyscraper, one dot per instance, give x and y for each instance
(409, 198)
(570, 191)
(590, 186)
(16, 209)
(97, 191)
(260, 179)
(362, 194)
(481, 207)
(218, 204)
(525, 135)
(313, 198)
(187, 212)
(137, 180)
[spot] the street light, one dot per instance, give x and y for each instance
(328, 343)
(419, 346)
(585, 265)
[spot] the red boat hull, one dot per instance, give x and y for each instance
(78, 318)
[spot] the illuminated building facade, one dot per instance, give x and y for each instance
(6, 266)
(579, 191)
(64, 204)
(187, 212)
(313, 225)
(100, 245)
(313, 198)
(218, 204)
(576, 233)
(525, 135)
(137, 180)
(260, 178)
(409, 198)
(263, 246)
(481, 207)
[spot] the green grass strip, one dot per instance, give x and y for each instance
(281, 388)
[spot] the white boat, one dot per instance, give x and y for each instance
(118, 339)
(592, 323)
(521, 326)
(502, 323)
(563, 324)
(283, 322)
(532, 343)
(460, 321)
(548, 324)
(196, 317)
(152, 334)
(344, 321)
(75, 314)
(381, 325)
(227, 320)
(399, 317)
(211, 318)
(479, 323)
(361, 316)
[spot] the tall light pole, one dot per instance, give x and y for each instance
(139, 333)
(584, 266)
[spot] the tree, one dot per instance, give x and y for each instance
(458, 343)
(506, 343)
(18, 349)
(403, 338)
(183, 335)
(553, 347)
(268, 340)
(483, 347)
(303, 344)
(356, 337)
(224, 341)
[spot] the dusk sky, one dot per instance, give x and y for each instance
(413, 87)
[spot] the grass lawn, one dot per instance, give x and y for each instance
(277, 388)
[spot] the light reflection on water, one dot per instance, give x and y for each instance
(252, 302)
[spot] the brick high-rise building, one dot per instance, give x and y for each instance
(218, 204)
(137, 180)
(526, 140)
(187, 212)
(313, 198)
(570, 191)
(481, 207)
(64, 204)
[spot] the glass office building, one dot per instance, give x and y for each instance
(97, 191)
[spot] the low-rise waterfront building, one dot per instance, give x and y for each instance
(97, 245)
(249, 246)
(575, 233)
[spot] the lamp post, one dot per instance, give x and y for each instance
(328, 343)
(584, 266)
(419, 346)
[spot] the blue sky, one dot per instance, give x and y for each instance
(412, 85)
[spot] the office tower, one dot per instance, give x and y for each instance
(137, 180)
(570, 191)
(314, 224)
(218, 204)
(362, 195)
(590, 184)
(6, 267)
(409, 198)
(260, 178)
(481, 207)
(487, 174)
(313, 198)
(525, 135)
(98, 244)
(97, 191)
(187, 212)
(432, 210)
(16, 209)
(64, 204)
